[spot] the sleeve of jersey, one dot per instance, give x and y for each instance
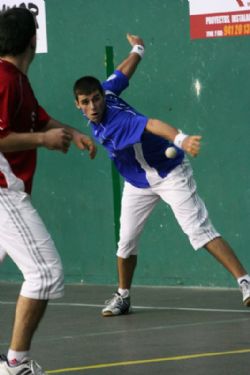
(8, 105)
(128, 131)
(116, 83)
(43, 117)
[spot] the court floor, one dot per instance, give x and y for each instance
(171, 331)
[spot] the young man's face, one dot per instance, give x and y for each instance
(92, 105)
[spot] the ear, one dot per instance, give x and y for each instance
(77, 104)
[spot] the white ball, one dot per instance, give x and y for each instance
(171, 152)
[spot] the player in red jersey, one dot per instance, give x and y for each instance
(25, 126)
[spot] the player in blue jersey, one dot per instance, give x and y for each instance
(137, 146)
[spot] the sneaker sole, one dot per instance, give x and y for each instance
(247, 302)
(107, 314)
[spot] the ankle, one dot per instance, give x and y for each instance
(15, 357)
(243, 278)
(123, 292)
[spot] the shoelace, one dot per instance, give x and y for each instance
(36, 368)
(115, 299)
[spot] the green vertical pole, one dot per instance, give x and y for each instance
(115, 175)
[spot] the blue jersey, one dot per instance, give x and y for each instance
(138, 155)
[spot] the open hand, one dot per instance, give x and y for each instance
(83, 142)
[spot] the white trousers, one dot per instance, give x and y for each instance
(25, 239)
(178, 190)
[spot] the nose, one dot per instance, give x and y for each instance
(92, 105)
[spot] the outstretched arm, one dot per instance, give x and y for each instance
(54, 136)
(189, 143)
(54, 139)
(129, 65)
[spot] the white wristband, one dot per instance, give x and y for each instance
(139, 49)
(179, 138)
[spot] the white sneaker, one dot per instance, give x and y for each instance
(26, 368)
(117, 305)
(245, 288)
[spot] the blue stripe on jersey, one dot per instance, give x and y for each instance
(122, 130)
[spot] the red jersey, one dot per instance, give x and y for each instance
(19, 113)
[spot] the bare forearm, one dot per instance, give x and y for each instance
(52, 139)
(129, 65)
(161, 129)
(20, 142)
(189, 143)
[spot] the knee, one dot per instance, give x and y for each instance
(47, 283)
(55, 287)
(126, 249)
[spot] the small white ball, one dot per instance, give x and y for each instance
(171, 152)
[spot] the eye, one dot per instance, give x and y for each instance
(96, 98)
(84, 101)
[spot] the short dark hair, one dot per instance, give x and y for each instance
(86, 85)
(17, 27)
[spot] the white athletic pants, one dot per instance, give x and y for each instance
(178, 190)
(25, 239)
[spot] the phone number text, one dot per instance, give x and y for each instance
(239, 29)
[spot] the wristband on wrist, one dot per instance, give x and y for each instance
(139, 49)
(179, 138)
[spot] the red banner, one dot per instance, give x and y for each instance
(210, 19)
(220, 25)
